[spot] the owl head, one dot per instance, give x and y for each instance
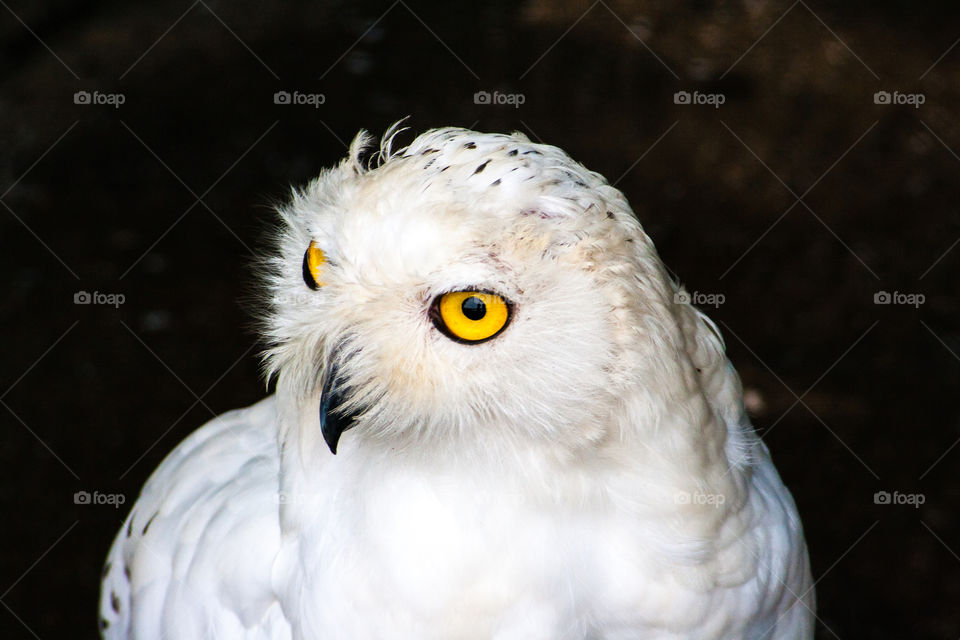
(475, 289)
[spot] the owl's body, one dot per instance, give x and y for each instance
(581, 468)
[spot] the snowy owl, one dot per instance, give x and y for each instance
(496, 416)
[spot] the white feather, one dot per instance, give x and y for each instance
(588, 473)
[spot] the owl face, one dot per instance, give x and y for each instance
(469, 286)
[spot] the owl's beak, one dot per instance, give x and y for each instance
(333, 422)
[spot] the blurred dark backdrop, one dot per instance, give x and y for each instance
(789, 208)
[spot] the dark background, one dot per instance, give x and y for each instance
(165, 199)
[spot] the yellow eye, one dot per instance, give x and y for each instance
(471, 316)
(313, 261)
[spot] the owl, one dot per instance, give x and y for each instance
(495, 416)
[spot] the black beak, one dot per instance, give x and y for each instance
(333, 422)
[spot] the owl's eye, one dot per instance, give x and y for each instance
(470, 316)
(313, 261)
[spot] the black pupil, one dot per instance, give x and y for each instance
(473, 308)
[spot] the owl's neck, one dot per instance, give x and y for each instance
(665, 465)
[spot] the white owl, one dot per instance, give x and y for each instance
(495, 417)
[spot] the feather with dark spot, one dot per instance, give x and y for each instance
(147, 526)
(481, 167)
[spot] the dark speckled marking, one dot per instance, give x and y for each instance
(429, 151)
(512, 153)
(147, 526)
(429, 163)
(126, 572)
(102, 624)
(114, 602)
(532, 152)
(610, 215)
(495, 182)
(106, 570)
(481, 167)
(469, 145)
(130, 526)
(444, 169)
